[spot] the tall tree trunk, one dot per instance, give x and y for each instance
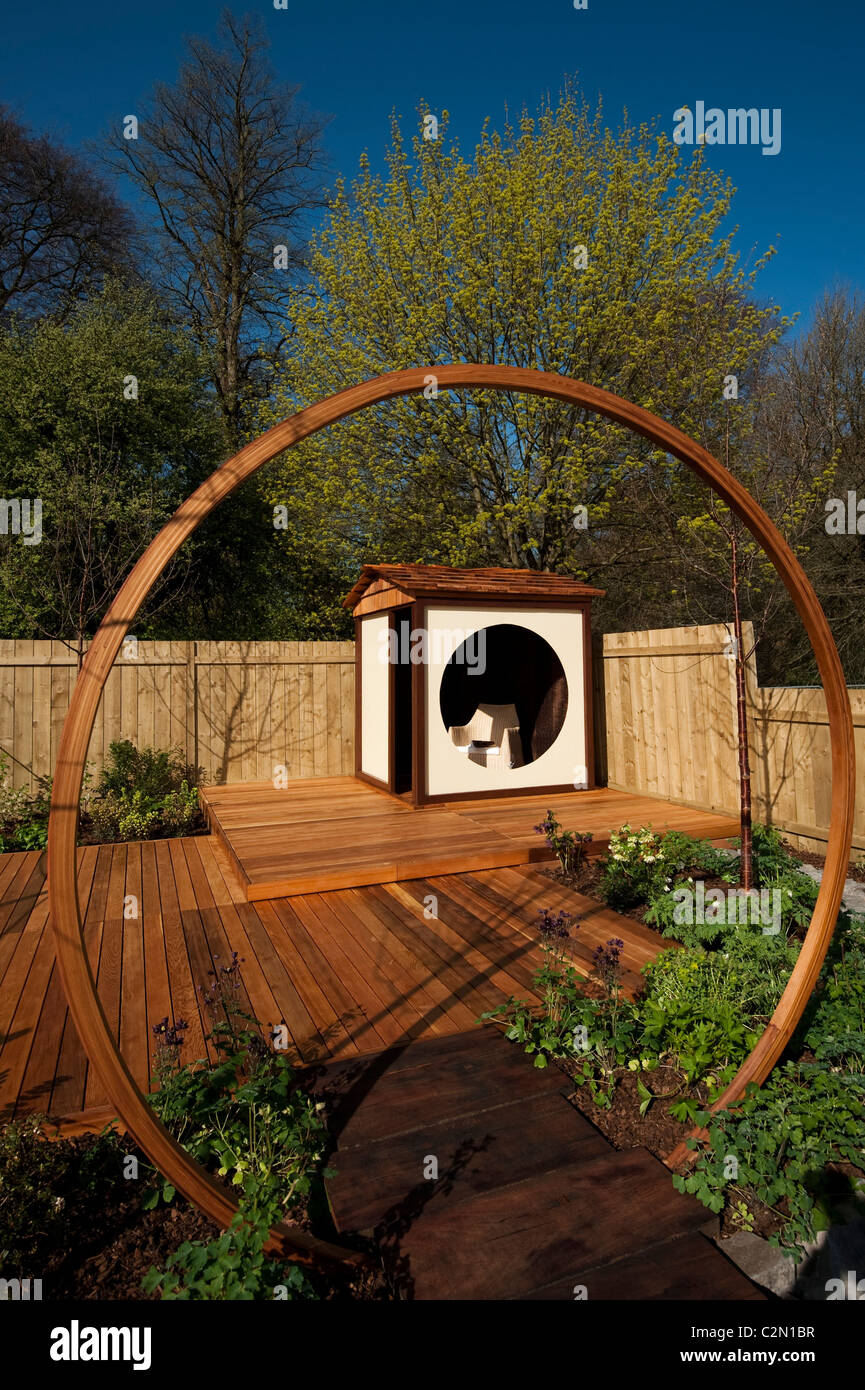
(746, 864)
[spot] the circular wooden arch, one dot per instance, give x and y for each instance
(170, 1158)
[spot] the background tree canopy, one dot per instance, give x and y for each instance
(557, 243)
(448, 259)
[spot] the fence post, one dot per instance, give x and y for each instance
(191, 703)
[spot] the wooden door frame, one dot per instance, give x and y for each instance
(384, 785)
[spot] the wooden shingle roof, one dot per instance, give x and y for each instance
(441, 581)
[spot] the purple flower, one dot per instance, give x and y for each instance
(555, 925)
(607, 961)
(170, 1035)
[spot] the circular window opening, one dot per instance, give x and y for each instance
(504, 696)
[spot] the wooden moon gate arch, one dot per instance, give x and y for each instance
(172, 1160)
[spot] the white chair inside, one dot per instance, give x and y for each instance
(493, 732)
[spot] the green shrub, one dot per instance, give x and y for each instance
(665, 914)
(684, 854)
(144, 793)
(798, 896)
(634, 870)
(234, 1266)
(153, 772)
(769, 857)
(23, 813)
(181, 812)
(641, 865)
(791, 896)
(777, 1145)
(115, 818)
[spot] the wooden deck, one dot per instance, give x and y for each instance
(529, 1200)
(317, 834)
(350, 972)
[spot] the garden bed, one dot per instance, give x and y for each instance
(647, 1070)
(622, 1124)
(92, 1218)
(98, 1241)
(141, 794)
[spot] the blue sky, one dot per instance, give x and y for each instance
(74, 69)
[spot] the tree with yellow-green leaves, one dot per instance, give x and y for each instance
(716, 570)
(560, 245)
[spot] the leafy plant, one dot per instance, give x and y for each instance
(144, 793)
(244, 1115)
(684, 854)
(834, 1024)
(641, 865)
(779, 1143)
(785, 898)
(569, 846)
(770, 857)
(598, 1035)
(180, 811)
(705, 1041)
(154, 772)
(23, 813)
(234, 1266)
(750, 974)
(634, 869)
(798, 894)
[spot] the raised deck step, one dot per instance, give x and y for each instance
(317, 834)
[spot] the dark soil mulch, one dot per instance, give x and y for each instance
(625, 1128)
(818, 861)
(113, 1243)
(623, 1124)
(586, 880)
(115, 1268)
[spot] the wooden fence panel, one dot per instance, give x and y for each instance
(669, 701)
(791, 762)
(238, 709)
(665, 718)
